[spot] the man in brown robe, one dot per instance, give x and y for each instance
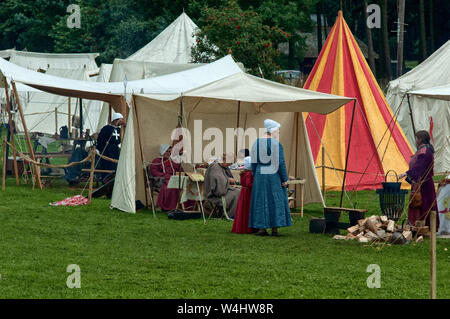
(218, 182)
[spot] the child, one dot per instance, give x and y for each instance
(240, 224)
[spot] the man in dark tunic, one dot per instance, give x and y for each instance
(108, 142)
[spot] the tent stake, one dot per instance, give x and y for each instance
(348, 152)
(36, 168)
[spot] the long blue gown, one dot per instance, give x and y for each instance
(269, 207)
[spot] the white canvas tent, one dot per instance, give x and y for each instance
(40, 108)
(154, 117)
(433, 72)
(172, 45)
(44, 61)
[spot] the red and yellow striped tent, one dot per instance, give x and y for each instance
(377, 144)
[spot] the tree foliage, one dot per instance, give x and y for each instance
(242, 33)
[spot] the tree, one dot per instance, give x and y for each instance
(115, 29)
(27, 24)
(241, 33)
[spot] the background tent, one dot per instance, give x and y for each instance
(39, 107)
(172, 45)
(433, 72)
(44, 61)
(378, 144)
(216, 104)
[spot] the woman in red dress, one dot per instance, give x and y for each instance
(240, 224)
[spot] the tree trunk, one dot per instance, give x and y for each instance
(422, 38)
(431, 26)
(385, 36)
(369, 41)
(319, 26)
(291, 56)
(400, 35)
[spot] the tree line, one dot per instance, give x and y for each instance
(118, 28)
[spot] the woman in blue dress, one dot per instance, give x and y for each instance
(269, 207)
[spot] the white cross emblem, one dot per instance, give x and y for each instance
(116, 134)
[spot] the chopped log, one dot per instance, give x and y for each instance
(363, 240)
(371, 236)
(371, 225)
(361, 222)
(407, 234)
(381, 234)
(391, 226)
(353, 229)
(419, 240)
(378, 225)
(339, 237)
(420, 223)
(407, 228)
(361, 234)
(384, 219)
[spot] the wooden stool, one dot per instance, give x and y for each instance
(301, 183)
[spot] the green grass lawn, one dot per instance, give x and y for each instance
(125, 255)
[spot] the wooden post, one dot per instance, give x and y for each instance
(296, 161)
(400, 28)
(4, 164)
(11, 132)
(433, 254)
(19, 106)
(68, 119)
(91, 175)
(237, 127)
(411, 114)
(323, 172)
(56, 120)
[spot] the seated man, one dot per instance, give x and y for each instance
(164, 168)
(108, 142)
(218, 183)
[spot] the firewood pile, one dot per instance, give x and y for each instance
(383, 230)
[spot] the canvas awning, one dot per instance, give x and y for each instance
(255, 95)
(112, 92)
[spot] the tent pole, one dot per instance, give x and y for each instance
(81, 117)
(68, 118)
(36, 167)
(296, 155)
(323, 172)
(411, 114)
(11, 132)
(237, 127)
(348, 152)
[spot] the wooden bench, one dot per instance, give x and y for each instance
(332, 215)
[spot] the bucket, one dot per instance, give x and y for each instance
(391, 186)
